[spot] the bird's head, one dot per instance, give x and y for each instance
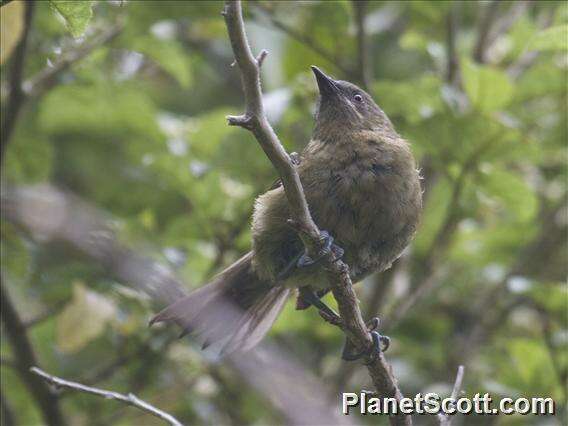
(343, 107)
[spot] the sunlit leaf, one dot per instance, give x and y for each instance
(11, 26)
(75, 13)
(83, 319)
(488, 88)
(555, 38)
(169, 55)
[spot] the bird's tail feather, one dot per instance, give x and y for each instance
(236, 308)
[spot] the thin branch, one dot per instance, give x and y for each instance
(20, 93)
(303, 38)
(441, 241)
(445, 419)
(6, 411)
(363, 64)
(527, 59)
(129, 399)
(452, 73)
(255, 121)
(48, 313)
(48, 214)
(24, 358)
(47, 78)
(484, 27)
(503, 24)
(494, 311)
(16, 96)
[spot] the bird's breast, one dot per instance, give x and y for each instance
(366, 198)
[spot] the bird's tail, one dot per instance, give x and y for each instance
(236, 308)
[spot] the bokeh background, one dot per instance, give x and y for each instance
(113, 122)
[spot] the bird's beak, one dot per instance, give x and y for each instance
(326, 85)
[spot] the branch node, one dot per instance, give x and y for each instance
(245, 121)
(261, 57)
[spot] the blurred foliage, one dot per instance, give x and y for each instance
(138, 129)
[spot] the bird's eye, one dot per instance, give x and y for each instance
(358, 97)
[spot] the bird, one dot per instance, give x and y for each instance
(363, 189)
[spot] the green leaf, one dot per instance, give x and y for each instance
(168, 55)
(83, 319)
(511, 193)
(75, 13)
(555, 38)
(488, 89)
(415, 100)
(12, 19)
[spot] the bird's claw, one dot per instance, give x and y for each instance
(329, 246)
(380, 344)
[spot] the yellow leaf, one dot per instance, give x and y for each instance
(11, 26)
(83, 319)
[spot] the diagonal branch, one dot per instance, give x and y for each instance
(47, 214)
(47, 78)
(363, 64)
(129, 399)
(21, 92)
(445, 419)
(255, 121)
(24, 358)
(305, 38)
(16, 97)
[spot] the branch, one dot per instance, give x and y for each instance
(20, 93)
(503, 24)
(303, 38)
(47, 78)
(364, 70)
(452, 73)
(441, 241)
(445, 419)
(129, 399)
(6, 411)
(484, 27)
(47, 214)
(527, 59)
(24, 358)
(16, 96)
(255, 121)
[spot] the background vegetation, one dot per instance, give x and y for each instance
(122, 105)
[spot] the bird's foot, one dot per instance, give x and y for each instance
(329, 246)
(295, 158)
(380, 344)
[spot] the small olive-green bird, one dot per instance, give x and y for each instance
(362, 186)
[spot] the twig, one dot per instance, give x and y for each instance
(445, 419)
(20, 93)
(255, 121)
(303, 38)
(46, 78)
(503, 24)
(48, 214)
(452, 73)
(24, 358)
(493, 312)
(484, 27)
(129, 399)
(48, 313)
(527, 59)
(6, 411)
(442, 240)
(363, 65)
(16, 96)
